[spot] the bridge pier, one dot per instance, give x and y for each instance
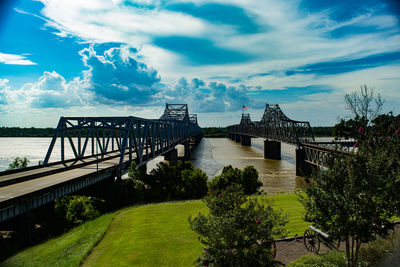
(143, 169)
(197, 139)
(237, 137)
(272, 149)
(171, 156)
(245, 140)
(186, 155)
(303, 168)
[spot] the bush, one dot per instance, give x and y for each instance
(311, 260)
(194, 184)
(248, 179)
(78, 209)
(167, 182)
(373, 253)
(338, 258)
(237, 231)
(18, 163)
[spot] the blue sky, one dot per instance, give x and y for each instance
(118, 58)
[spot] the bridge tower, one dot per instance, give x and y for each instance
(179, 113)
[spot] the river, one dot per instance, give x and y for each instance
(211, 156)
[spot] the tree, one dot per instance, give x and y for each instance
(237, 231)
(194, 184)
(357, 194)
(248, 179)
(78, 209)
(166, 182)
(364, 104)
(18, 163)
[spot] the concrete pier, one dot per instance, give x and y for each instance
(143, 169)
(171, 156)
(272, 149)
(245, 140)
(186, 150)
(303, 168)
(237, 137)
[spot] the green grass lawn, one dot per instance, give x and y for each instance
(147, 235)
(150, 235)
(66, 250)
(159, 234)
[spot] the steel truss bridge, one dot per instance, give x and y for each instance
(276, 128)
(102, 148)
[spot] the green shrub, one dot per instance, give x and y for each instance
(373, 253)
(311, 260)
(338, 258)
(18, 163)
(248, 179)
(78, 209)
(194, 184)
(168, 182)
(237, 231)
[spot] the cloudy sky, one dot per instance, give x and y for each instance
(118, 58)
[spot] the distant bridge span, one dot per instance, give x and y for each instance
(274, 125)
(276, 128)
(103, 148)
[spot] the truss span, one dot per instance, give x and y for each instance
(136, 138)
(274, 125)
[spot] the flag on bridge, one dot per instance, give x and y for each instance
(244, 107)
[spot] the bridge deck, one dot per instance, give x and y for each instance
(20, 189)
(33, 172)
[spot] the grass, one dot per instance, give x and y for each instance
(150, 235)
(291, 207)
(159, 234)
(66, 250)
(147, 235)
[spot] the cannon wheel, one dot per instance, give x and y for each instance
(311, 241)
(336, 244)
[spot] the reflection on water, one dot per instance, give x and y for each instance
(211, 156)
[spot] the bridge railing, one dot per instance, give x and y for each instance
(285, 131)
(318, 152)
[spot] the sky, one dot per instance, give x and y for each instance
(129, 58)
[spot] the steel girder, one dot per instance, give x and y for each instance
(275, 125)
(245, 120)
(139, 139)
(318, 153)
(178, 112)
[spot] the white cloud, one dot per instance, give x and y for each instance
(11, 59)
(3, 89)
(288, 38)
(116, 77)
(289, 35)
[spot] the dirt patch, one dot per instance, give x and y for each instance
(288, 251)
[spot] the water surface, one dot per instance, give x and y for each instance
(211, 156)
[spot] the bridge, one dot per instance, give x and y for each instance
(103, 148)
(276, 128)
